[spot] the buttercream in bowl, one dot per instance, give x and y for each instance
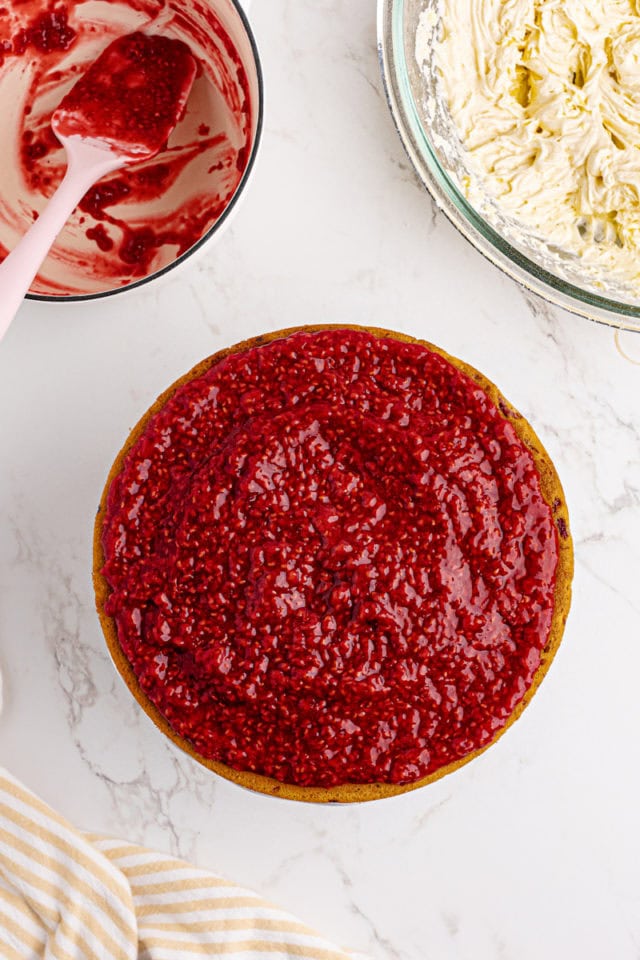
(546, 100)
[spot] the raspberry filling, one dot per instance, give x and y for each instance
(138, 220)
(132, 96)
(330, 561)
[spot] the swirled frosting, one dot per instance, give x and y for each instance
(545, 95)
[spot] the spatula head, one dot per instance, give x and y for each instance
(132, 96)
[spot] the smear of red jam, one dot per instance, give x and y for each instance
(132, 96)
(48, 32)
(331, 562)
(137, 246)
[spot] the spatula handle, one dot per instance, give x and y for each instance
(86, 165)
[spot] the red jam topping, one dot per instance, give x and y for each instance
(132, 96)
(331, 562)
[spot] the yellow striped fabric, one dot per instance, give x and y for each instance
(65, 895)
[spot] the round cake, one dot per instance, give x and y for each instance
(333, 563)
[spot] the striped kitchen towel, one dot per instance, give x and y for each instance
(65, 895)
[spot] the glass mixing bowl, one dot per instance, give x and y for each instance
(429, 136)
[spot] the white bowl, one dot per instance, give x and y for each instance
(138, 223)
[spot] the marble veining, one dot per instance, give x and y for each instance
(530, 851)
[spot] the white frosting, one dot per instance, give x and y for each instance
(545, 95)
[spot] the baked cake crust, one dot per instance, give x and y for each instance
(552, 493)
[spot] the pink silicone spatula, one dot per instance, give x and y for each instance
(120, 112)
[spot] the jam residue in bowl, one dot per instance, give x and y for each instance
(330, 561)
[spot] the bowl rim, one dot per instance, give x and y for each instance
(125, 288)
(453, 204)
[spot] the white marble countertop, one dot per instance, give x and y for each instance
(531, 851)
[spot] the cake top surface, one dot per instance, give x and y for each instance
(330, 561)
